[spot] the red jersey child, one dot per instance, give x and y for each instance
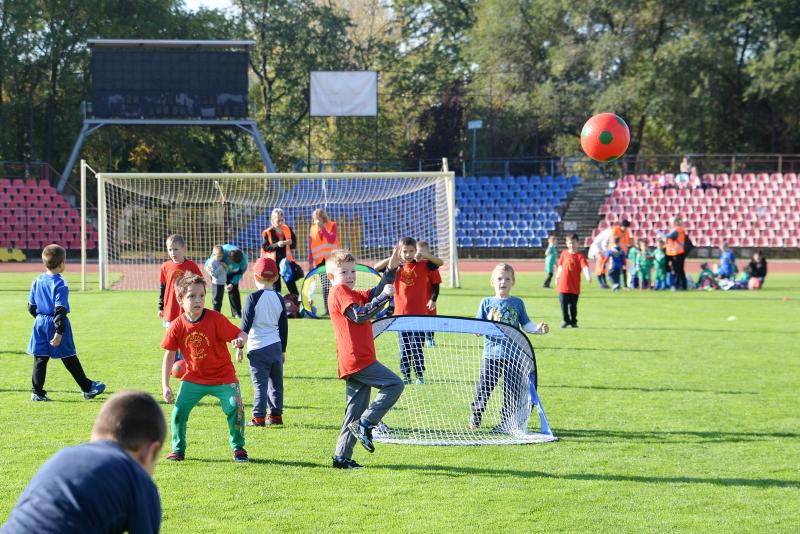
(413, 296)
(350, 312)
(168, 306)
(424, 254)
(568, 280)
(202, 336)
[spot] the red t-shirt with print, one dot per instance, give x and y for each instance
(170, 272)
(571, 267)
(203, 344)
(413, 288)
(355, 347)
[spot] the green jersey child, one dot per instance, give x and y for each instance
(633, 255)
(550, 259)
(660, 262)
(644, 265)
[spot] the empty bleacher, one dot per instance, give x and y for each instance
(33, 214)
(748, 210)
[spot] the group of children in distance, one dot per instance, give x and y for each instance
(200, 336)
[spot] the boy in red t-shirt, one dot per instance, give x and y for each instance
(414, 295)
(168, 306)
(350, 312)
(424, 253)
(202, 335)
(568, 280)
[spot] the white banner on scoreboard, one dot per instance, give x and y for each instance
(344, 93)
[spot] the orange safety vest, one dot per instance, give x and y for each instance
(677, 246)
(320, 248)
(271, 254)
(623, 238)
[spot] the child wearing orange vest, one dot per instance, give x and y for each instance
(277, 243)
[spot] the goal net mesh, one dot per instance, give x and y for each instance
(478, 382)
(372, 211)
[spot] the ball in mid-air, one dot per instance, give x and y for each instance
(605, 137)
(179, 369)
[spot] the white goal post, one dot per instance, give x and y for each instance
(373, 210)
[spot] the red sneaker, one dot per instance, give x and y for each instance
(240, 455)
(274, 420)
(257, 421)
(175, 456)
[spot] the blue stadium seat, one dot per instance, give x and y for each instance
(480, 242)
(494, 242)
(507, 242)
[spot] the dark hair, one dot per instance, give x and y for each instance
(186, 281)
(573, 237)
(408, 242)
(53, 256)
(235, 255)
(625, 223)
(131, 418)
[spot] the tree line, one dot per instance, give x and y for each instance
(716, 76)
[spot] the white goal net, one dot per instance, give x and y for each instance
(372, 211)
(469, 382)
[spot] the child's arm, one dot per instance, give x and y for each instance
(283, 329)
(388, 276)
(541, 328)
(60, 321)
(558, 274)
(362, 314)
(161, 300)
(166, 369)
(588, 274)
(381, 265)
(434, 296)
(429, 257)
(32, 309)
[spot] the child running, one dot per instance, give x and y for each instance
(267, 328)
(202, 335)
(48, 303)
(350, 313)
(550, 259)
(502, 308)
(570, 264)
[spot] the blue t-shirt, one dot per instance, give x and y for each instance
(49, 291)
(510, 311)
(617, 258)
(94, 487)
(727, 260)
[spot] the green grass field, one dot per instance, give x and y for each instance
(673, 417)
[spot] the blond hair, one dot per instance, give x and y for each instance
(505, 268)
(217, 250)
(320, 214)
(176, 239)
(53, 256)
(340, 256)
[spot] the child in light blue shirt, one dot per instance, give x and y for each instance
(216, 268)
(497, 361)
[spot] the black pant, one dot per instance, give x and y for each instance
(514, 390)
(569, 307)
(614, 274)
(547, 280)
(234, 297)
(73, 365)
(217, 292)
(678, 269)
(412, 353)
(290, 286)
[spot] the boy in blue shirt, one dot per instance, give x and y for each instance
(727, 262)
(102, 486)
(52, 333)
(502, 308)
(617, 261)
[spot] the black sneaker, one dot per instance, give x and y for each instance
(346, 463)
(362, 434)
(574, 324)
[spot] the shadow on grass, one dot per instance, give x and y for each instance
(22, 352)
(666, 436)
(293, 377)
(713, 330)
(602, 349)
(653, 390)
(518, 473)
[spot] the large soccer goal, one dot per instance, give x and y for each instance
(137, 211)
(479, 382)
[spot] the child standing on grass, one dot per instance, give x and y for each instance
(644, 265)
(202, 335)
(48, 303)
(568, 281)
(502, 308)
(171, 270)
(350, 313)
(616, 260)
(267, 328)
(217, 269)
(550, 259)
(633, 255)
(424, 254)
(660, 263)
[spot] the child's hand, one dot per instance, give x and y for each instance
(167, 394)
(431, 305)
(388, 290)
(239, 355)
(418, 256)
(161, 314)
(229, 287)
(56, 341)
(238, 343)
(394, 261)
(543, 328)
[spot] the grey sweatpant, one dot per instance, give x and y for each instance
(358, 387)
(266, 369)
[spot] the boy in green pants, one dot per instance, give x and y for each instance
(660, 261)
(201, 335)
(550, 259)
(644, 265)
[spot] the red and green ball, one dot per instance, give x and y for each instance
(605, 137)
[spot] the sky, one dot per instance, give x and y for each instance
(194, 5)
